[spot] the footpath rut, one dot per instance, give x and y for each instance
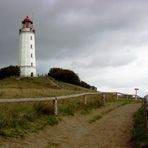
(113, 130)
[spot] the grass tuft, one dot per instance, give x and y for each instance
(70, 108)
(52, 120)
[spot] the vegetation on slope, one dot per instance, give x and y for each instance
(36, 87)
(19, 118)
(9, 71)
(140, 135)
(64, 75)
(68, 76)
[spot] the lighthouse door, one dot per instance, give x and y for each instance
(32, 74)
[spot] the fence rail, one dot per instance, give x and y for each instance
(44, 99)
(56, 98)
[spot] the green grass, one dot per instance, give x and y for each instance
(70, 107)
(52, 120)
(17, 119)
(140, 135)
(36, 87)
(114, 104)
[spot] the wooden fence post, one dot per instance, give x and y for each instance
(85, 99)
(103, 98)
(55, 101)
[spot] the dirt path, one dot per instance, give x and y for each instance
(113, 130)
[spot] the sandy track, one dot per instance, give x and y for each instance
(112, 131)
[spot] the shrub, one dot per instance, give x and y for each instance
(84, 84)
(9, 71)
(140, 135)
(64, 75)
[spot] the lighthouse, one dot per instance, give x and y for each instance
(27, 59)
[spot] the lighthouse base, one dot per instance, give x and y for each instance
(26, 71)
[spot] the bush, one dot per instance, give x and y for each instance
(68, 76)
(9, 71)
(64, 75)
(140, 135)
(84, 84)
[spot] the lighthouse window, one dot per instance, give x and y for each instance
(31, 55)
(31, 46)
(31, 64)
(30, 37)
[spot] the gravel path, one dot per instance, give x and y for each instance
(113, 130)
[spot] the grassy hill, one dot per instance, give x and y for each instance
(36, 87)
(17, 119)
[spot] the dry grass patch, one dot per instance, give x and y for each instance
(36, 87)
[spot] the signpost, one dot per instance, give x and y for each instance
(136, 89)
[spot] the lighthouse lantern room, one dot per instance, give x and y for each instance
(27, 60)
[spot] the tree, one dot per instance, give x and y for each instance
(9, 71)
(84, 84)
(64, 75)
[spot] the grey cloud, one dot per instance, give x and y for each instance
(53, 34)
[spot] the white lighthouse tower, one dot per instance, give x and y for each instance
(27, 60)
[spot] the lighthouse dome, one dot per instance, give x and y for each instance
(27, 20)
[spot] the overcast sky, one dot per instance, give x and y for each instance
(104, 41)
